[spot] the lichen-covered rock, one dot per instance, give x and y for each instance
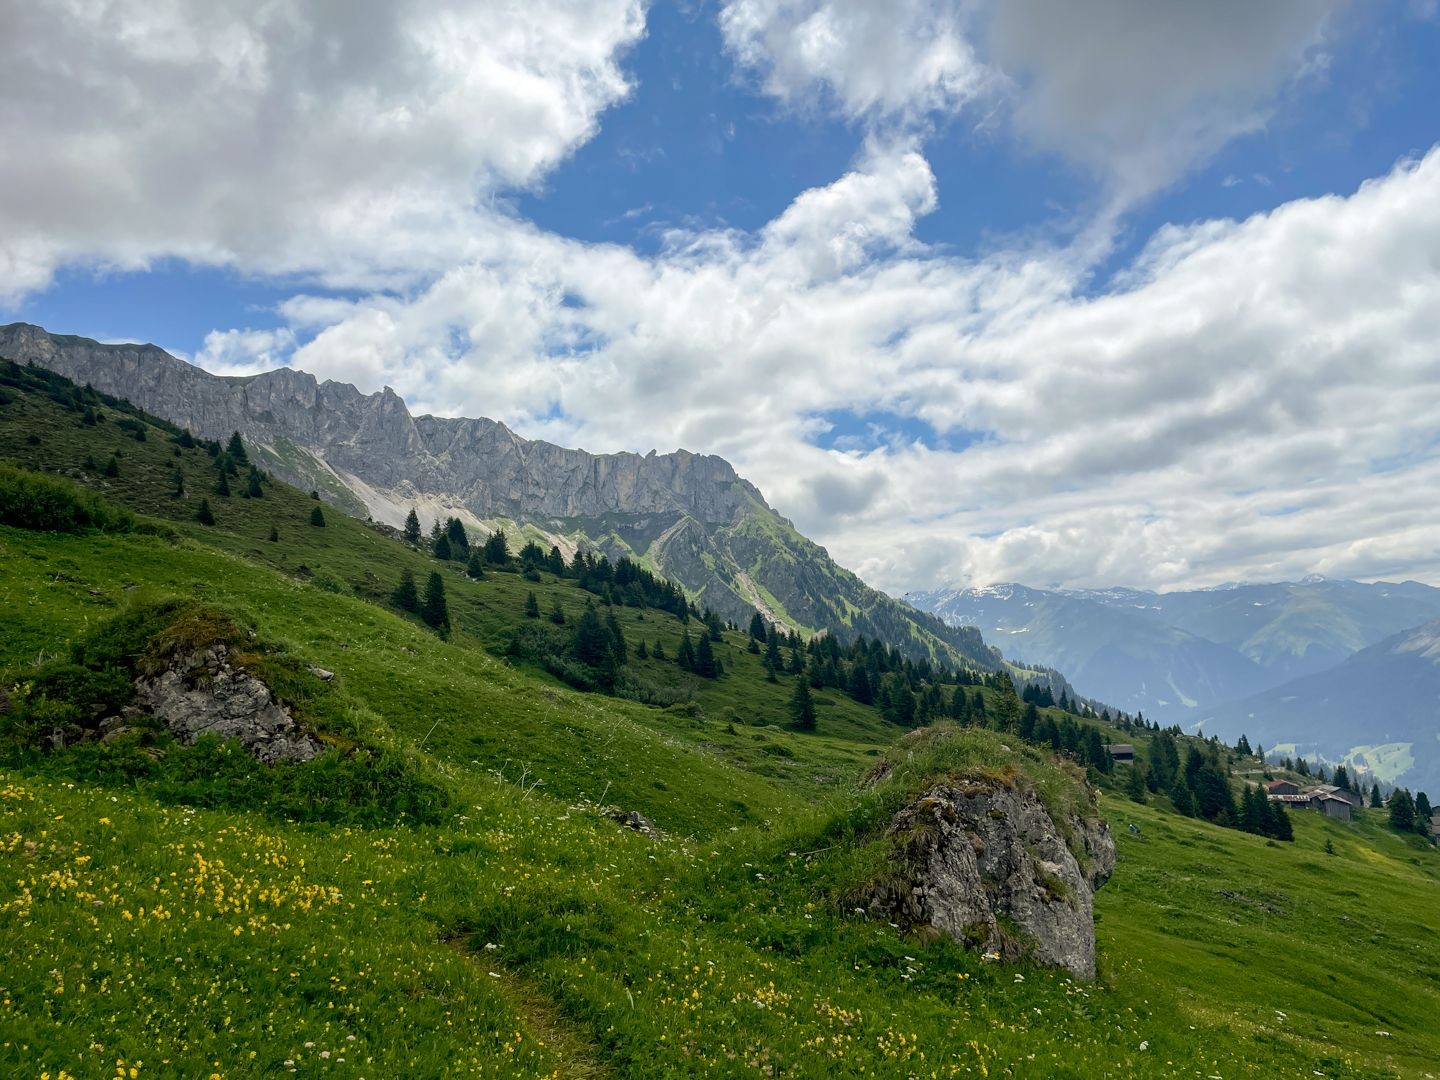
(202, 692)
(983, 861)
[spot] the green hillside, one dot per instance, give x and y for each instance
(444, 892)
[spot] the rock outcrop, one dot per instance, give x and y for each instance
(983, 862)
(202, 692)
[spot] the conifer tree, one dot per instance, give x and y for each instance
(253, 489)
(557, 613)
(411, 531)
(757, 628)
(406, 597)
(1342, 778)
(1135, 785)
(658, 650)
(442, 548)
(236, 449)
(618, 648)
(642, 651)
(592, 644)
(773, 662)
(802, 705)
(177, 479)
(1402, 810)
(685, 657)
(1280, 826)
(497, 548)
(474, 567)
(1375, 803)
(274, 536)
(433, 608)
(704, 665)
(204, 515)
(317, 518)
(532, 604)
(1422, 811)
(1182, 796)
(222, 486)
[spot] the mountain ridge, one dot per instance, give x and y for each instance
(689, 516)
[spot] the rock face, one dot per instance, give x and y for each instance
(689, 515)
(202, 693)
(984, 863)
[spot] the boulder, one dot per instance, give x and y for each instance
(982, 861)
(633, 819)
(202, 692)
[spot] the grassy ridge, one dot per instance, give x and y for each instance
(722, 950)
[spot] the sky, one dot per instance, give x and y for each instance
(1119, 293)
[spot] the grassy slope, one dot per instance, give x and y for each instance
(720, 954)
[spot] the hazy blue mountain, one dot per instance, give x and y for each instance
(1176, 654)
(1378, 709)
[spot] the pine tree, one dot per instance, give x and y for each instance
(686, 656)
(459, 541)
(1135, 785)
(274, 536)
(204, 515)
(1375, 803)
(658, 650)
(705, 665)
(592, 643)
(802, 705)
(773, 662)
(1422, 812)
(177, 479)
(406, 597)
(222, 486)
(1243, 747)
(1182, 796)
(317, 518)
(1280, 826)
(236, 449)
(442, 548)
(1342, 778)
(757, 628)
(253, 489)
(1402, 810)
(1007, 705)
(411, 532)
(532, 604)
(474, 567)
(497, 548)
(433, 608)
(619, 649)
(642, 652)
(557, 613)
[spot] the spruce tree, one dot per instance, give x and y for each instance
(177, 479)
(1402, 810)
(642, 652)
(618, 647)
(406, 597)
(1375, 803)
(497, 548)
(1182, 796)
(317, 518)
(1422, 811)
(222, 486)
(474, 567)
(557, 613)
(705, 665)
(442, 548)
(411, 532)
(532, 604)
(253, 489)
(1280, 826)
(433, 608)
(236, 449)
(204, 515)
(802, 705)
(592, 643)
(1135, 785)
(658, 650)
(757, 628)
(686, 655)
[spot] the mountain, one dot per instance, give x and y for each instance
(1379, 709)
(1170, 655)
(688, 516)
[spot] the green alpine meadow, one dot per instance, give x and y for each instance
(521, 815)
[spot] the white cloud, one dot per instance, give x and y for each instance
(899, 59)
(1256, 398)
(354, 141)
(1136, 90)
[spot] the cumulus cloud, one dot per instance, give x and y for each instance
(353, 141)
(1256, 399)
(894, 60)
(1135, 90)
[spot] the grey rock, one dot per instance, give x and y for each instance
(203, 693)
(320, 673)
(633, 819)
(979, 859)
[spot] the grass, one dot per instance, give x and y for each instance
(519, 932)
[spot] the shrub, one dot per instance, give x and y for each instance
(30, 500)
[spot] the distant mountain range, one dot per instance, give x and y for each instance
(1335, 668)
(688, 516)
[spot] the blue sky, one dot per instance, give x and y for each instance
(857, 251)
